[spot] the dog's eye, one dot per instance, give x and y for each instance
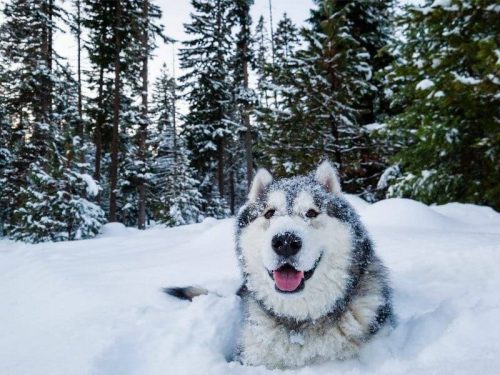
(312, 213)
(269, 214)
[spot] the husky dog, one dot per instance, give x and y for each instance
(313, 288)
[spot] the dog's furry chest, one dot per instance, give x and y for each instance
(266, 341)
(270, 341)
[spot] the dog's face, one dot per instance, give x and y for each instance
(296, 243)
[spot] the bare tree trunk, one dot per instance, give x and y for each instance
(272, 50)
(98, 126)
(144, 120)
(79, 127)
(232, 203)
(49, 56)
(46, 52)
(116, 116)
(174, 102)
(248, 147)
(245, 25)
(220, 167)
(221, 145)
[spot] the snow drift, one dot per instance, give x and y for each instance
(96, 307)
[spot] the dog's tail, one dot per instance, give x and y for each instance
(187, 293)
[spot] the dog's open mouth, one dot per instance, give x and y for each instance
(288, 279)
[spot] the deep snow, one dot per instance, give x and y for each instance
(95, 306)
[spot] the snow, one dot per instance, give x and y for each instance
(466, 80)
(116, 230)
(425, 84)
(96, 307)
(388, 174)
(358, 203)
(441, 3)
(374, 127)
(92, 188)
(493, 8)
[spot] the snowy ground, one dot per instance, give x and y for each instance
(95, 306)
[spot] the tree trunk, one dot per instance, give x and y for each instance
(46, 52)
(220, 167)
(144, 120)
(232, 199)
(98, 126)
(272, 51)
(174, 103)
(116, 116)
(49, 56)
(246, 106)
(79, 126)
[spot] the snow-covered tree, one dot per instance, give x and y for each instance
(55, 207)
(53, 204)
(121, 40)
(446, 85)
(279, 113)
(260, 62)
(162, 137)
(175, 199)
(326, 91)
(206, 57)
(50, 203)
(179, 199)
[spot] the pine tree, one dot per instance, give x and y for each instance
(180, 201)
(260, 63)
(162, 136)
(337, 72)
(147, 30)
(53, 202)
(76, 26)
(206, 57)
(49, 201)
(279, 113)
(245, 97)
(175, 196)
(97, 19)
(326, 91)
(446, 84)
(118, 51)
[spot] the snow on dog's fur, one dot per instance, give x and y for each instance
(313, 289)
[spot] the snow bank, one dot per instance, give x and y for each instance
(115, 230)
(399, 212)
(470, 214)
(358, 203)
(96, 307)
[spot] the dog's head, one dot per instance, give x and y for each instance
(297, 242)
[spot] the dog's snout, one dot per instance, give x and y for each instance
(286, 244)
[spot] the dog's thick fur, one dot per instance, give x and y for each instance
(342, 302)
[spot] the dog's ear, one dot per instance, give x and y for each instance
(327, 176)
(260, 182)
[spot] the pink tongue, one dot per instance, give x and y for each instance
(288, 279)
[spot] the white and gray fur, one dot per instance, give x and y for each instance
(345, 298)
(343, 304)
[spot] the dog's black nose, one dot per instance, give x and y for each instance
(286, 244)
